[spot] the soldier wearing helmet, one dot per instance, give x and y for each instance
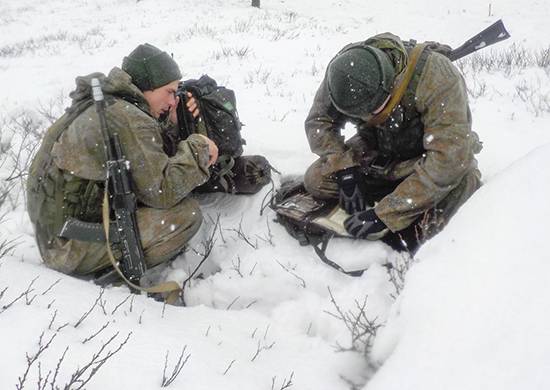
(411, 164)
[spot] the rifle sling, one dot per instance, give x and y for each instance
(399, 90)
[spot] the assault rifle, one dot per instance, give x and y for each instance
(123, 231)
(491, 35)
(123, 200)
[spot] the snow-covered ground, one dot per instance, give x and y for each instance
(473, 310)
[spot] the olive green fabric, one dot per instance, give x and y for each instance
(163, 232)
(428, 137)
(359, 80)
(66, 178)
(150, 67)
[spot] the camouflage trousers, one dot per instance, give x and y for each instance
(164, 233)
(319, 180)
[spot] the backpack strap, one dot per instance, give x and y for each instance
(400, 89)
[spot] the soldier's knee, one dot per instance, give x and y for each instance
(318, 184)
(312, 178)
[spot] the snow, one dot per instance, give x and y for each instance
(474, 315)
(473, 310)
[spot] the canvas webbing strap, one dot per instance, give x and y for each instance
(399, 90)
(320, 247)
(170, 290)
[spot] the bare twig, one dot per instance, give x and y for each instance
(208, 247)
(237, 266)
(253, 268)
(269, 236)
(132, 303)
(96, 333)
(251, 303)
(94, 365)
(228, 367)
(31, 359)
(52, 320)
(28, 300)
(232, 302)
(42, 382)
(286, 384)
(243, 236)
(23, 294)
(398, 271)
(57, 367)
(121, 303)
(302, 281)
(3, 292)
(51, 286)
(218, 223)
(352, 385)
(362, 329)
(177, 368)
(92, 308)
(62, 326)
(101, 304)
(261, 348)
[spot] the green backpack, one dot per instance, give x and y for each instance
(218, 109)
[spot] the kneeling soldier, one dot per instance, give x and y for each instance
(411, 164)
(67, 177)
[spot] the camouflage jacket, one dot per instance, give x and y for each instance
(68, 172)
(428, 135)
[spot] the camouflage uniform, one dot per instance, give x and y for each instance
(67, 177)
(427, 142)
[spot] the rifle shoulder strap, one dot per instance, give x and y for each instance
(399, 90)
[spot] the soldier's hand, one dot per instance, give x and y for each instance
(212, 151)
(366, 224)
(352, 198)
(173, 116)
(192, 105)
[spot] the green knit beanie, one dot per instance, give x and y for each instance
(150, 67)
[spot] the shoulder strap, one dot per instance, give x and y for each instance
(399, 90)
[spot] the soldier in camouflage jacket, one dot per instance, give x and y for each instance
(67, 175)
(401, 178)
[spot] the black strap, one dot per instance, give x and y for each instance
(320, 244)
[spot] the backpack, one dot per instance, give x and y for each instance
(310, 221)
(218, 109)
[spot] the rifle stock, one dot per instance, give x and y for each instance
(491, 35)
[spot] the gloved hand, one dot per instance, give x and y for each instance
(351, 193)
(366, 224)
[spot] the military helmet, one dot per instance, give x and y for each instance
(359, 80)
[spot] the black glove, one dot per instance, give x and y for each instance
(352, 198)
(366, 224)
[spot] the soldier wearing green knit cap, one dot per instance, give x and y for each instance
(411, 164)
(67, 176)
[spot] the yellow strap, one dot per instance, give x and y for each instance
(398, 90)
(170, 290)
